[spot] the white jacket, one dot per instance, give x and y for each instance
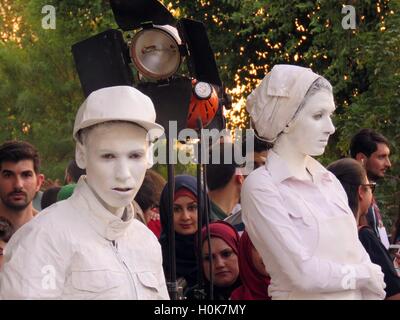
(76, 249)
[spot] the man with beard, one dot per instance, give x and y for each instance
(372, 150)
(20, 180)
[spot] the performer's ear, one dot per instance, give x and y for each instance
(150, 155)
(80, 155)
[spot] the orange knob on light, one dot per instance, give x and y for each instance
(203, 104)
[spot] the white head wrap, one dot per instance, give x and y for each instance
(274, 103)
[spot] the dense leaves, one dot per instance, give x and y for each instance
(40, 90)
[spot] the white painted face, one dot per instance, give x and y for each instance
(115, 158)
(310, 131)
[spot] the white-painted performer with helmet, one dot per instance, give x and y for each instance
(90, 246)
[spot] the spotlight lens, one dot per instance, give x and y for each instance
(155, 53)
(203, 90)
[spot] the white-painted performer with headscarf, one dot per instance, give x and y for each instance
(295, 211)
(90, 246)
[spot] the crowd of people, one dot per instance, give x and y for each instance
(291, 229)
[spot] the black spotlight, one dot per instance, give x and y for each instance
(151, 59)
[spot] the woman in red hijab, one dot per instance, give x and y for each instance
(255, 279)
(224, 240)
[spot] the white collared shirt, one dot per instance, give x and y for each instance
(279, 213)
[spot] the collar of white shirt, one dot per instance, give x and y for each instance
(280, 172)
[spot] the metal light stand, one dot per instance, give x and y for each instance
(207, 212)
(202, 210)
(172, 284)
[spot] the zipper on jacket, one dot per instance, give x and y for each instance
(114, 245)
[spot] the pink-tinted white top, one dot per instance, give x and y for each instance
(281, 215)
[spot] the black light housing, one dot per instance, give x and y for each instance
(102, 61)
(132, 14)
(200, 57)
(156, 51)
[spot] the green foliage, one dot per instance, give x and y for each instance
(40, 90)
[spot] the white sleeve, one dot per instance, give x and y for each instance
(268, 223)
(35, 264)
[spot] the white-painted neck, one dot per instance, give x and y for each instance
(295, 160)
